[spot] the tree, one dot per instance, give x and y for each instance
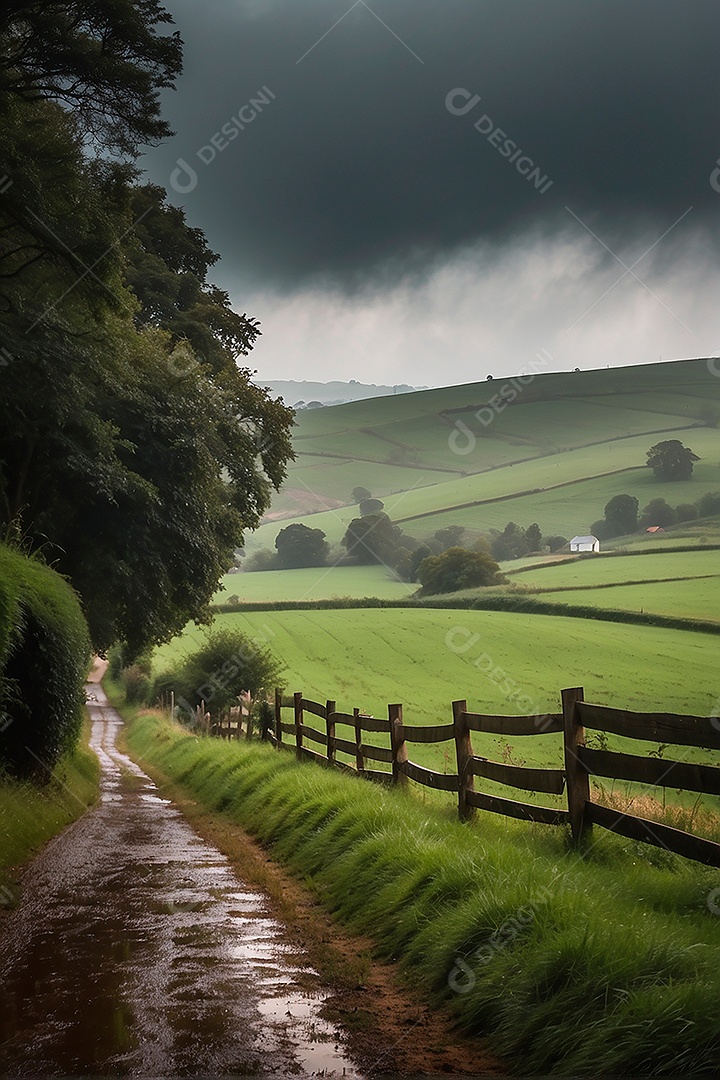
(371, 506)
(372, 539)
(104, 62)
(686, 512)
(510, 544)
(657, 512)
(360, 493)
(449, 536)
(533, 537)
(227, 664)
(670, 460)
(556, 542)
(457, 568)
(621, 515)
(298, 545)
(709, 504)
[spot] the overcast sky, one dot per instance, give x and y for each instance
(428, 191)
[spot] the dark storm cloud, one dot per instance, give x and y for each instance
(353, 162)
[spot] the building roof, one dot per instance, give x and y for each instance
(655, 528)
(584, 540)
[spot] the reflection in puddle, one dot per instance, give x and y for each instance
(137, 951)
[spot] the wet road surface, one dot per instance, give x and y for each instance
(136, 951)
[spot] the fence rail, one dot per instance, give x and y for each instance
(317, 724)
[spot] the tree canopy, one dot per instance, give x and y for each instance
(299, 545)
(670, 460)
(458, 568)
(134, 447)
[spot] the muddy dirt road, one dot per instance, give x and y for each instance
(137, 951)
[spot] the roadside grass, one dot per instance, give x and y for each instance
(30, 815)
(604, 962)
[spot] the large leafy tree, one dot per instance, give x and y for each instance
(372, 539)
(299, 545)
(458, 568)
(133, 447)
(103, 60)
(621, 515)
(670, 460)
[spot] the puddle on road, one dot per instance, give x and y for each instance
(138, 951)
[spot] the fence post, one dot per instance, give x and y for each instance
(464, 753)
(330, 731)
(278, 717)
(297, 702)
(359, 763)
(397, 743)
(249, 732)
(576, 778)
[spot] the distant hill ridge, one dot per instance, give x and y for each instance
(313, 394)
(551, 447)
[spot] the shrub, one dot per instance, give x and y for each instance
(137, 684)
(457, 568)
(44, 658)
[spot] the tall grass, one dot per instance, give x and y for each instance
(599, 962)
(31, 815)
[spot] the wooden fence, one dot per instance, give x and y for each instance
(331, 732)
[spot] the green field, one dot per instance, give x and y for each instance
(314, 583)
(368, 658)
(563, 428)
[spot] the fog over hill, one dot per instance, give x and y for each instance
(312, 394)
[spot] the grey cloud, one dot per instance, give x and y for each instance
(357, 171)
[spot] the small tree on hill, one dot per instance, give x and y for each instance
(372, 539)
(657, 512)
(298, 545)
(621, 515)
(457, 568)
(670, 460)
(449, 536)
(371, 506)
(533, 536)
(359, 493)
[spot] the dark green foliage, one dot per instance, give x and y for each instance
(686, 512)
(372, 539)
(510, 544)
(458, 568)
(360, 493)
(448, 537)
(556, 542)
(533, 537)
(105, 62)
(44, 658)
(708, 505)
(670, 460)
(226, 664)
(298, 545)
(657, 512)
(136, 684)
(621, 515)
(371, 506)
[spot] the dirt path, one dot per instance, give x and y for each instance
(137, 950)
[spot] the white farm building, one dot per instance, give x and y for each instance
(584, 543)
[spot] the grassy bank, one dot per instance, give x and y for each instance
(605, 963)
(31, 815)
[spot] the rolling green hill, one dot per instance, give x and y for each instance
(554, 454)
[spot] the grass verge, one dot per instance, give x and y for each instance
(31, 815)
(600, 962)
